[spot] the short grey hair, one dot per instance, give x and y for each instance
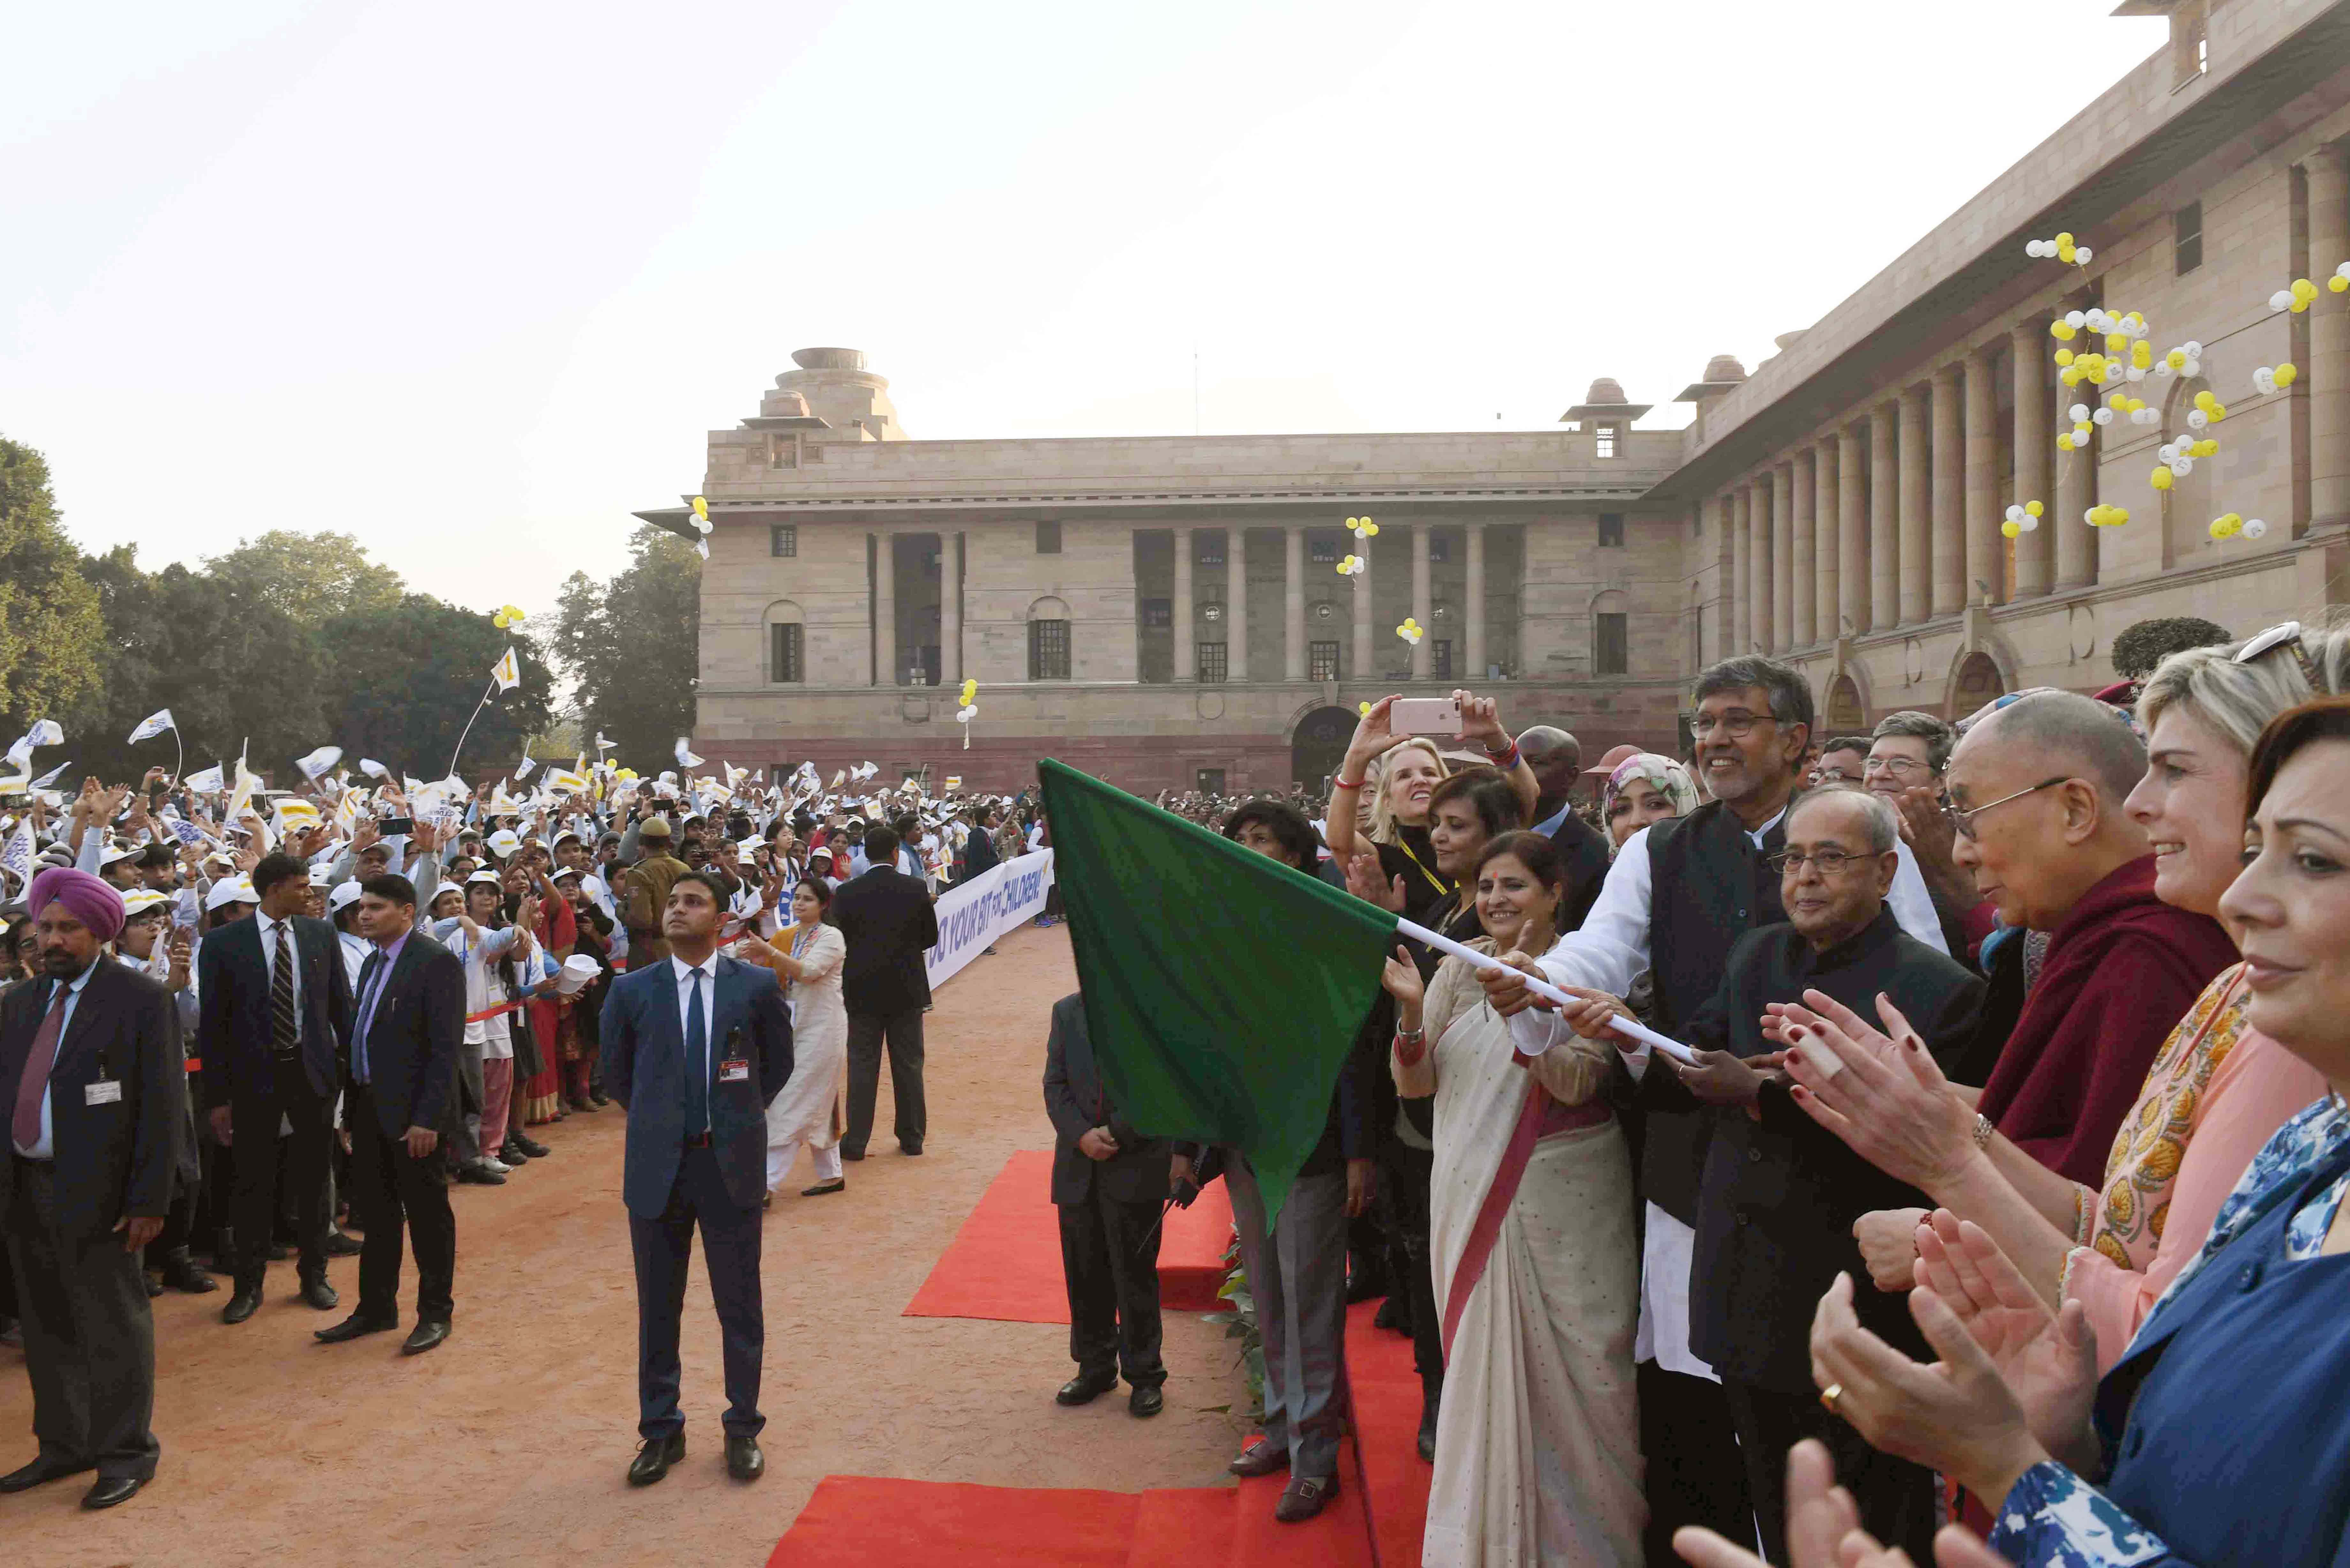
(2092, 739)
(1789, 692)
(1938, 736)
(1883, 830)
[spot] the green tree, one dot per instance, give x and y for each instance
(406, 677)
(312, 578)
(633, 645)
(50, 628)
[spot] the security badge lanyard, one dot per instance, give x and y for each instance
(734, 1067)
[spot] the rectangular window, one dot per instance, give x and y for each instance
(1048, 650)
(1048, 538)
(784, 539)
(1612, 653)
(1611, 529)
(783, 452)
(1208, 781)
(1439, 658)
(1158, 614)
(1439, 548)
(1603, 440)
(2187, 239)
(1211, 660)
(1322, 660)
(1211, 547)
(787, 653)
(1323, 552)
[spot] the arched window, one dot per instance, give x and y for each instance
(1611, 636)
(786, 638)
(1048, 640)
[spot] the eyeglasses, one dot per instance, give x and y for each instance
(1829, 861)
(2286, 634)
(1964, 821)
(1899, 767)
(1737, 722)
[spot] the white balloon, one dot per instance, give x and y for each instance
(2182, 466)
(2081, 253)
(2075, 318)
(2080, 411)
(2193, 367)
(2281, 300)
(2194, 349)
(2343, 271)
(2197, 418)
(2253, 527)
(2135, 373)
(2027, 521)
(2103, 417)
(2016, 514)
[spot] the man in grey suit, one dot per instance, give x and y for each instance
(695, 1046)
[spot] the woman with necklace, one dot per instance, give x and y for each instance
(807, 956)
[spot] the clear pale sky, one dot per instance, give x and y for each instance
(473, 280)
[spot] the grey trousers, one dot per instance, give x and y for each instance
(1298, 1278)
(467, 1134)
(89, 1338)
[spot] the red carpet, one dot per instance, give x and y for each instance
(1005, 1262)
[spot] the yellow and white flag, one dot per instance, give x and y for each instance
(508, 672)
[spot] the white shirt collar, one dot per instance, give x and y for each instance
(1758, 834)
(707, 969)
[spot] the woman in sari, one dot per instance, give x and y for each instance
(807, 956)
(1537, 1269)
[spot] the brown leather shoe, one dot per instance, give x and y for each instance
(1259, 1458)
(1305, 1497)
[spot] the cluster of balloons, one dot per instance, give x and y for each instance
(2103, 516)
(2022, 519)
(1355, 565)
(2061, 248)
(1363, 526)
(701, 525)
(2302, 293)
(2232, 524)
(1410, 631)
(2270, 381)
(970, 708)
(2208, 410)
(1352, 565)
(507, 618)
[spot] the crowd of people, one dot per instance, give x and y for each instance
(294, 1014)
(1989, 1206)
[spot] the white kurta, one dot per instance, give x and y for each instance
(1537, 1440)
(803, 1112)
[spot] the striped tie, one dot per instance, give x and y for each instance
(282, 1031)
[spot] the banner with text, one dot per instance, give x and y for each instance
(975, 914)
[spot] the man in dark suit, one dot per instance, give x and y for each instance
(1108, 1183)
(695, 1046)
(400, 1102)
(979, 850)
(274, 1003)
(97, 1101)
(885, 983)
(1555, 758)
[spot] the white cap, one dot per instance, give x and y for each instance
(345, 895)
(505, 841)
(234, 890)
(579, 970)
(321, 877)
(485, 875)
(114, 852)
(142, 899)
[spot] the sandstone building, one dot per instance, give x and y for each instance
(1166, 611)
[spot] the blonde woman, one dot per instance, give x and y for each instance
(1397, 868)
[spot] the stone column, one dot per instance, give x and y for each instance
(1986, 550)
(2329, 340)
(1783, 557)
(1293, 602)
(885, 609)
(1423, 603)
(1916, 501)
(951, 547)
(1738, 516)
(1236, 615)
(1804, 628)
(1187, 657)
(1948, 541)
(1852, 538)
(2076, 542)
(1828, 529)
(1362, 668)
(1758, 549)
(2027, 342)
(1475, 593)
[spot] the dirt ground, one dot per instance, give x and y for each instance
(508, 1445)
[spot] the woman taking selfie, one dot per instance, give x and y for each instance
(1536, 1267)
(1410, 768)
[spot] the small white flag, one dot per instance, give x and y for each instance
(315, 764)
(17, 858)
(602, 743)
(375, 770)
(152, 725)
(47, 779)
(508, 672)
(685, 757)
(522, 770)
(241, 797)
(207, 781)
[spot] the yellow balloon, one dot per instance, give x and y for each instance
(2064, 441)
(2175, 358)
(2303, 290)
(2012, 530)
(2064, 240)
(2034, 508)
(701, 508)
(2161, 478)
(2337, 283)
(2285, 373)
(2117, 342)
(2063, 356)
(2062, 330)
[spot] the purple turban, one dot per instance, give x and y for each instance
(94, 903)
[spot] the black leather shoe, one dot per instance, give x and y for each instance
(1305, 1497)
(353, 1326)
(425, 1337)
(341, 1246)
(110, 1490)
(40, 1471)
(154, 1286)
(1146, 1402)
(242, 1302)
(825, 1188)
(909, 1148)
(1084, 1390)
(513, 1153)
(480, 1176)
(320, 1294)
(849, 1153)
(529, 1146)
(180, 1273)
(743, 1460)
(654, 1457)
(1259, 1458)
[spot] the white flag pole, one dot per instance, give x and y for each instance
(469, 725)
(1630, 1027)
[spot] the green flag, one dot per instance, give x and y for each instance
(1222, 989)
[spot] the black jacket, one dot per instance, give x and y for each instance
(233, 1022)
(891, 928)
(1779, 1195)
(1583, 848)
(119, 1158)
(412, 1039)
(1075, 1100)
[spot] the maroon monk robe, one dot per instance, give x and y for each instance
(2122, 969)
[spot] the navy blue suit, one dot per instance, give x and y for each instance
(676, 1175)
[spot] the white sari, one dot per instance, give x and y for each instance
(803, 1112)
(1537, 1441)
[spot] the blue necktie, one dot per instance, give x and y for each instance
(697, 1058)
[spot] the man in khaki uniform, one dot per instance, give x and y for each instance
(646, 893)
